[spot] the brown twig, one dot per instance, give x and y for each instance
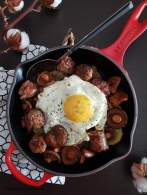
(5, 50)
(16, 20)
(4, 17)
(23, 14)
(37, 9)
(69, 39)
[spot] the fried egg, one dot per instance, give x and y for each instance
(75, 104)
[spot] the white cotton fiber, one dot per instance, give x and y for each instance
(19, 7)
(56, 3)
(144, 160)
(141, 184)
(25, 41)
(12, 32)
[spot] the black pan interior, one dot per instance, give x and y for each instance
(107, 69)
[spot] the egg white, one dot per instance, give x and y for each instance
(51, 102)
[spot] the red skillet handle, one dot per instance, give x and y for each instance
(18, 174)
(131, 32)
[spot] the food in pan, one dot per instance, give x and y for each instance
(75, 104)
(113, 135)
(139, 175)
(71, 113)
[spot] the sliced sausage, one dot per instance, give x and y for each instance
(96, 74)
(118, 98)
(37, 144)
(84, 71)
(56, 137)
(113, 83)
(27, 106)
(70, 155)
(57, 75)
(50, 156)
(34, 119)
(98, 142)
(102, 85)
(66, 65)
(27, 90)
(44, 79)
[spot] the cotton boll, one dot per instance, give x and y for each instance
(13, 38)
(51, 3)
(19, 7)
(144, 160)
(14, 5)
(25, 41)
(17, 40)
(12, 32)
(141, 184)
(134, 171)
(139, 172)
(56, 3)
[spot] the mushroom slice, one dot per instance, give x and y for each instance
(117, 118)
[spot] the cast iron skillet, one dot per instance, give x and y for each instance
(109, 62)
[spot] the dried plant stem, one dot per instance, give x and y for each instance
(37, 9)
(23, 14)
(4, 17)
(5, 51)
(69, 39)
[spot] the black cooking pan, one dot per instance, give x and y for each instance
(109, 62)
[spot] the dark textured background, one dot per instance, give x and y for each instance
(48, 29)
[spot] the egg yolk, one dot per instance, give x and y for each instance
(78, 108)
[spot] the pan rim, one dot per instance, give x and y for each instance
(14, 140)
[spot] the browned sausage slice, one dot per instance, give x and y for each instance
(102, 85)
(50, 156)
(118, 98)
(113, 83)
(84, 71)
(96, 74)
(36, 119)
(98, 141)
(27, 90)
(70, 155)
(66, 65)
(57, 75)
(44, 79)
(37, 144)
(27, 106)
(56, 137)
